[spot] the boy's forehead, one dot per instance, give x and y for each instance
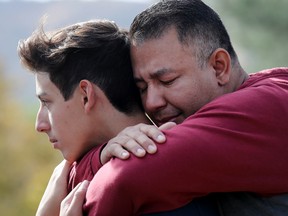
(43, 84)
(41, 80)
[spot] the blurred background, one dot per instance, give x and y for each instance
(258, 30)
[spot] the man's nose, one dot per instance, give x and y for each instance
(154, 100)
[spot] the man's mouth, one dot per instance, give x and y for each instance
(165, 119)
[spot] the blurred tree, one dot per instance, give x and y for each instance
(260, 30)
(25, 164)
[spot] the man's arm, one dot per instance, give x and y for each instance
(137, 139)
(220, 149)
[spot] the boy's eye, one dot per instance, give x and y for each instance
(44, 102)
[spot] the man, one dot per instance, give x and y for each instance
(232, 136)
(87, 95)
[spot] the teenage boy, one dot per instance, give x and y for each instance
(87, 95)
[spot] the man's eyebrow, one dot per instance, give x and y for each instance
(160, 72)
(155, 74)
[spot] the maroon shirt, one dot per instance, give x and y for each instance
(85, 168)
(237, 142)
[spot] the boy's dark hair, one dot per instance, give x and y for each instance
(95, 50)
(196, 24)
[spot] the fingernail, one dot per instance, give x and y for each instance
(151, 148)
(160, 138)
(124, 154)
(140, 151)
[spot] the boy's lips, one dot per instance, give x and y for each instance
(54, 142)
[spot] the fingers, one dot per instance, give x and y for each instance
(113, 150)
(153, 132)
(72, 204)
(167, 126)
(137, 139)
(63, 168)
(144, 138)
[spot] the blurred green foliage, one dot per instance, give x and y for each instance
(258, 29)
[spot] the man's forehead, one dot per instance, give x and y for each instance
(153, 74)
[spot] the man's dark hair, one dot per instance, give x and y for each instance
(196, 24)
(95, 50)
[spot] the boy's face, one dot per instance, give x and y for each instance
(63, 121)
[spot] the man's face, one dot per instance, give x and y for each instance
(171, 83)
(61, 120)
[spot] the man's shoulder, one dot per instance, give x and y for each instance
(266, 76)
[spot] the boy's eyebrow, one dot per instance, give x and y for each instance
(41, 94)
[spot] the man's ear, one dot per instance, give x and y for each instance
(88, 94)
(221, 62)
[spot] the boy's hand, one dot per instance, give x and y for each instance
(55, 192)
(137, 139)
(72, 204)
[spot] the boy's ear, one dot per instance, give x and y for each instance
(88, 94)
(221, 62)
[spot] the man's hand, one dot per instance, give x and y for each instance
(55, 192)
(72, 204)
(137, 139)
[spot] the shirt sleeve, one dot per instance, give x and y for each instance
(229, 145)
(95, 159)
